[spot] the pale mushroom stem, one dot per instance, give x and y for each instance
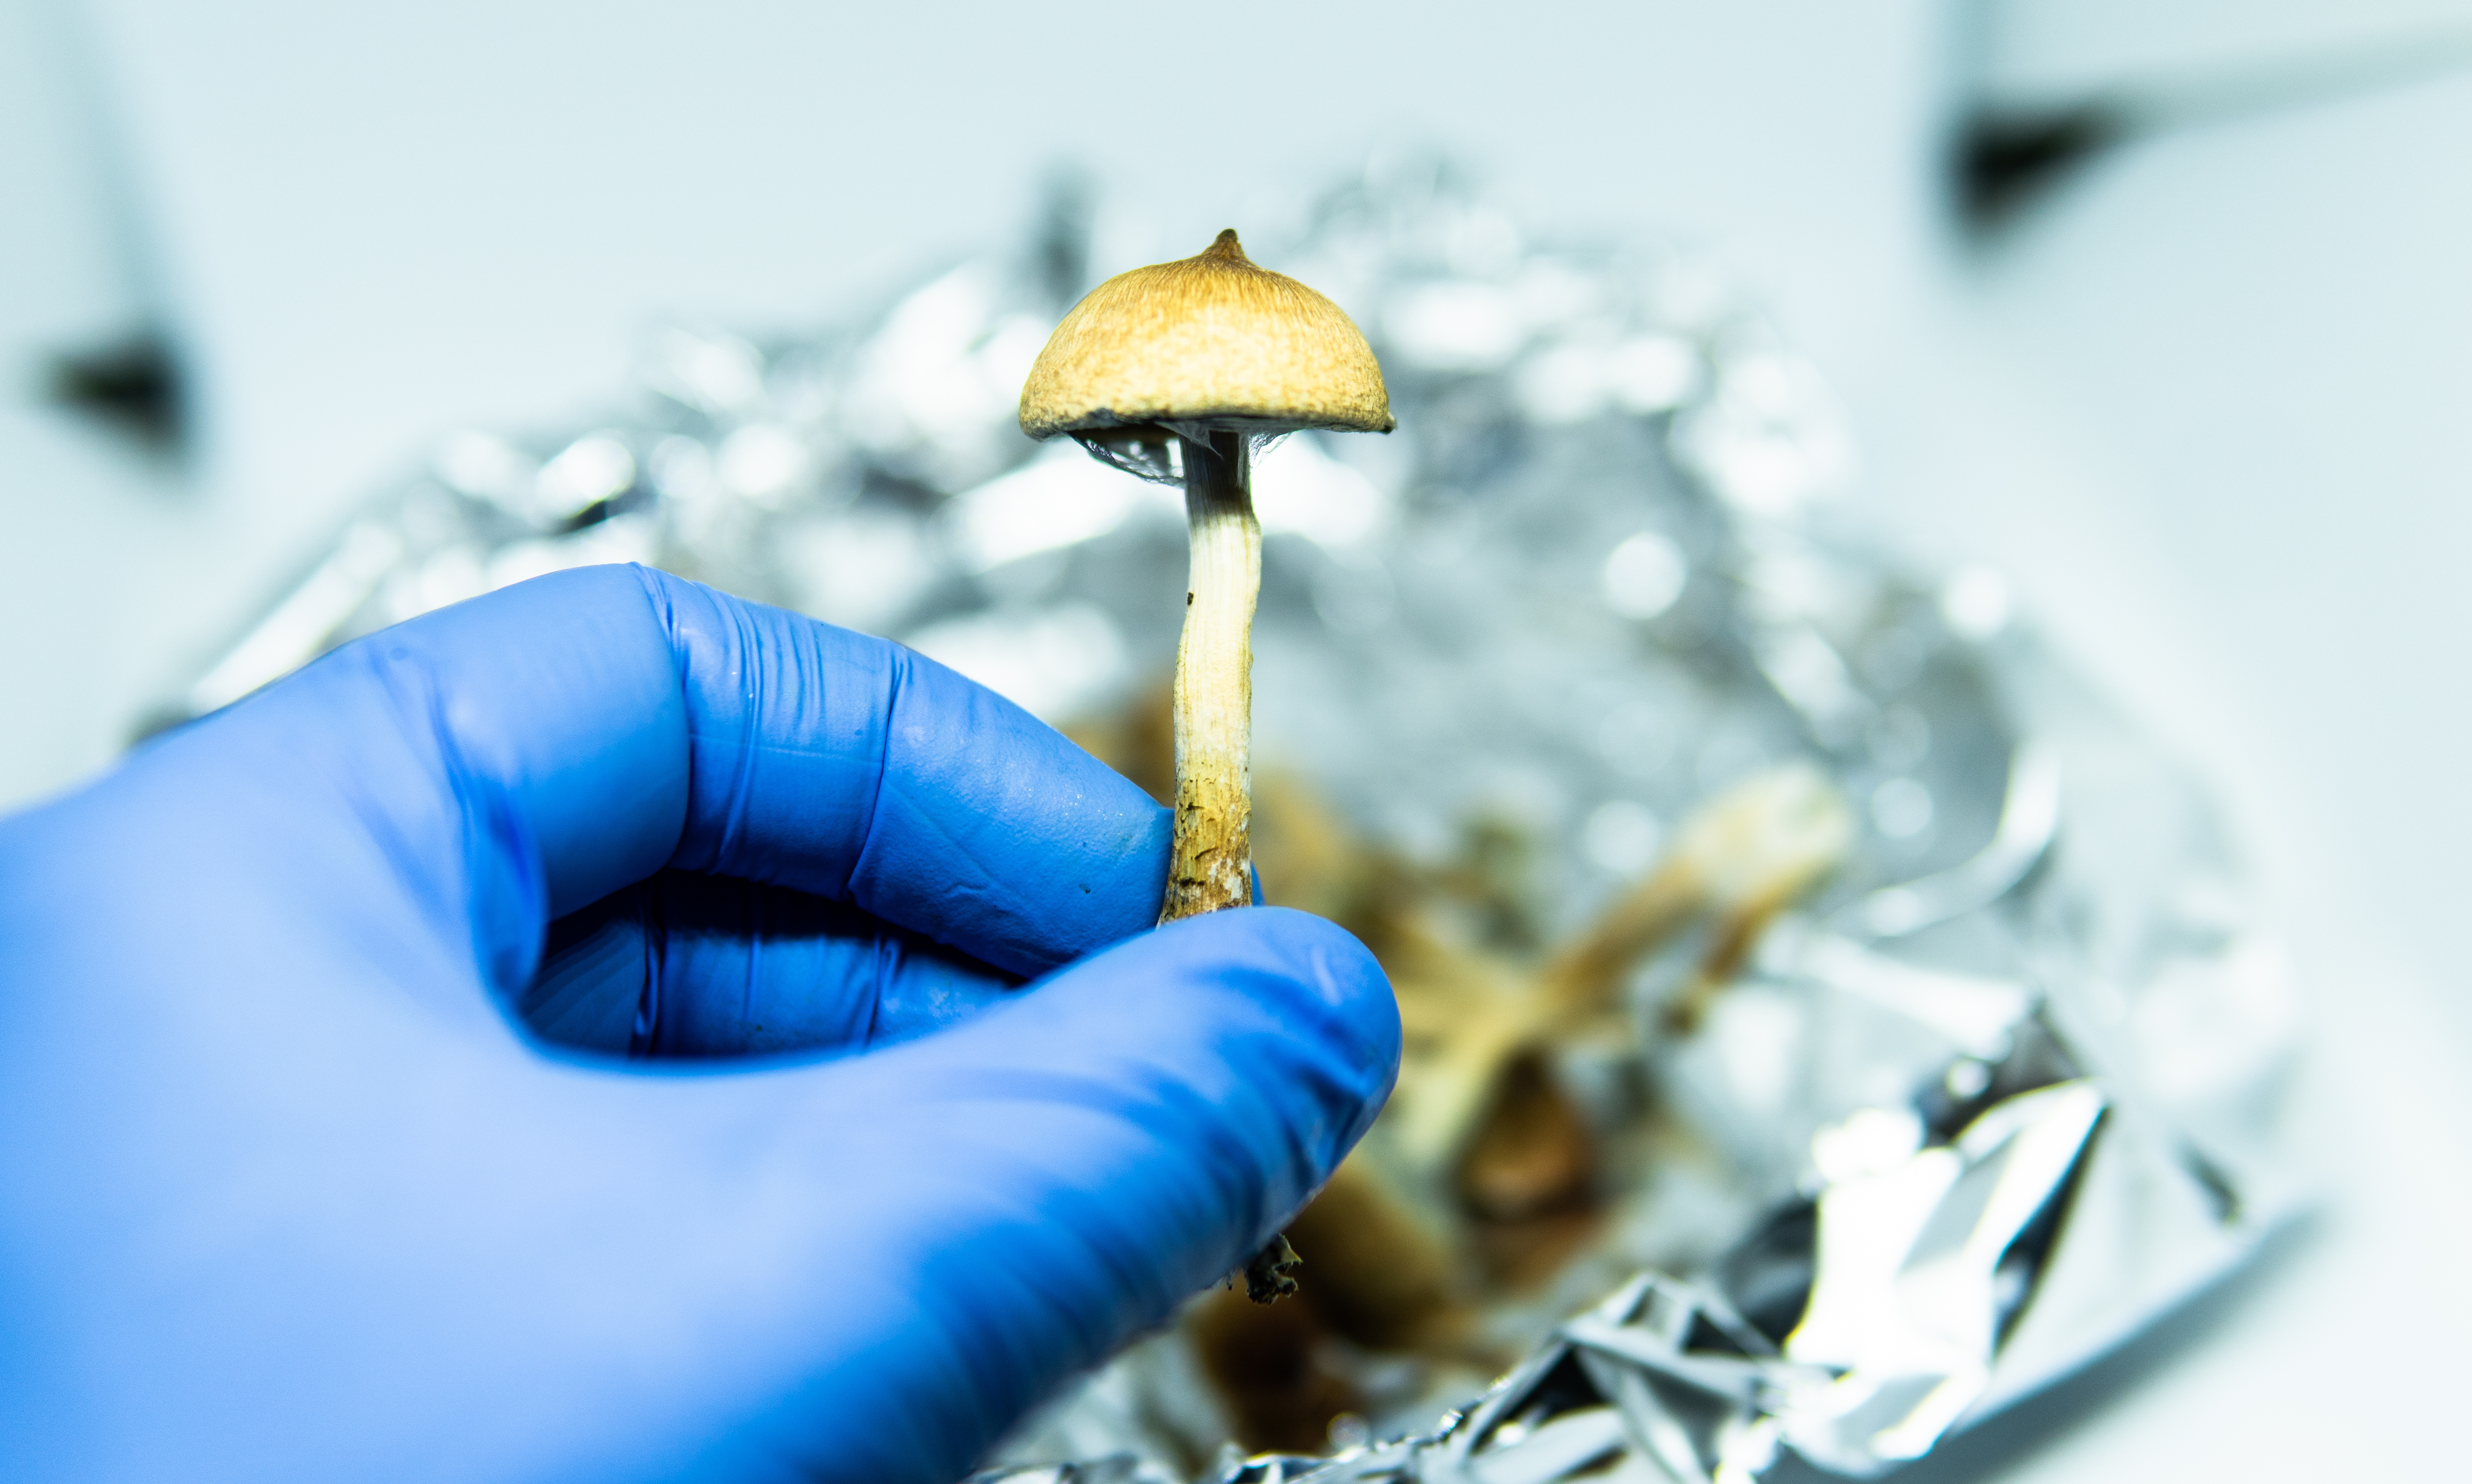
(1212, 864)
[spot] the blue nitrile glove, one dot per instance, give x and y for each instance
(282, 1195)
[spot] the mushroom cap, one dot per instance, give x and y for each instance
(1210, 339)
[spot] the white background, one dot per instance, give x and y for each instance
(2207, 404)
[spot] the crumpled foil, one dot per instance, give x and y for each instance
(1902, 1001)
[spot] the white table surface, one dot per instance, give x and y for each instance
(2206, 406)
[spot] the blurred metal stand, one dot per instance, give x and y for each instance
(2046, 86)
(98, 337)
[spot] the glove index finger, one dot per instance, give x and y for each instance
(857, 769)
(527, 753)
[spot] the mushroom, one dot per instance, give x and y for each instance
(1172, 373)
(1737, 862)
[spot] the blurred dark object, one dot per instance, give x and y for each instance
(135, 385)
(2005, 161)
(86, 315)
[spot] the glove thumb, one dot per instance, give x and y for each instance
(1010, 1200)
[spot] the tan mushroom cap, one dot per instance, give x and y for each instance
(1207, 339)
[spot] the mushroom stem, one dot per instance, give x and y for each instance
(1211, 865)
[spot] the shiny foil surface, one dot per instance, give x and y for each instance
(1828, 1020)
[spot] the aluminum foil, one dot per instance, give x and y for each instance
(1829, 1022)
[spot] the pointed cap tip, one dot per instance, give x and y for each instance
(1225, 249)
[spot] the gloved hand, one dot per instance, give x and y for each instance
(286, 1194)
